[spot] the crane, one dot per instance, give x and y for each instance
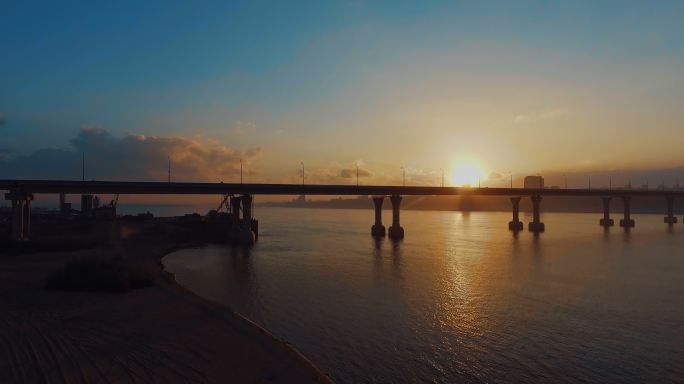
(224, 202)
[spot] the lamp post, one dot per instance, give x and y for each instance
(565, 180)
(240, 171)
(357, 174)
(302, 163)
(403, 172)
(442, 170)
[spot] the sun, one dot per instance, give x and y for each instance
(466, 174)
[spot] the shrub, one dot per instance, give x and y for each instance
(100, 275)
(45, 245)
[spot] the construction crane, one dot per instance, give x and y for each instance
(225, 202)
(114, 202)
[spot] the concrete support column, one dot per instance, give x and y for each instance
(247, 208)
(26, 219)
(627, 221)
(378, 230)
(536, 225)
(17, 225)
(62, 203)
(515, 224)
(670, 218)
(606, 221)
(86, 205)
(246, 235)
(395, 231)
(235, 211)
(20, 228)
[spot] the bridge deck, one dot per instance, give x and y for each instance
(179, 188)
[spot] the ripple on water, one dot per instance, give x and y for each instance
(461, 299)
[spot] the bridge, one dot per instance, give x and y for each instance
(20, 193)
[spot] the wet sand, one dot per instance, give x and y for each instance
(159, 334)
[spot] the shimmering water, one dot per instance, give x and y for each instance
(461, 299)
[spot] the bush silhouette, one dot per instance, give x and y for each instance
(100, 275)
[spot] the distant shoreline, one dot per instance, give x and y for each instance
(480, 203)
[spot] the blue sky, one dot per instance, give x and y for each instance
(333, 83)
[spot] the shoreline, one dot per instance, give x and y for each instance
(170, 279)
(162, 333)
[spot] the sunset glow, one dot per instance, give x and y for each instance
(324, 192)
(466, 174)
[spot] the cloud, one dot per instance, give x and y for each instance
(347, 173)
(252, 152)
(3, 119)
(332, 174)
(494, 176)
(131, 157)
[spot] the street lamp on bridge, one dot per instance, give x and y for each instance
(403, 172)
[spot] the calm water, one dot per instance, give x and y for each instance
(461, 299)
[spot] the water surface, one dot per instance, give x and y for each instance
(460, 299)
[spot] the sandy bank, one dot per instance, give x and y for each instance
(158, 334)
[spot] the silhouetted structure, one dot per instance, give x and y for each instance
(396, 231)
(245, 230)
(627, 221)
(670, 218)
(606, 221)
(378, 230)
(536, 225)
(515, 224)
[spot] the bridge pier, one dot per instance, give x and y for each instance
(20, 227)
(245, 235)
(515, 224)
(627, 222)
(670, 218)
(536, 225)
(378, 230)
(606, 221)
(395, 232)
(235, 211)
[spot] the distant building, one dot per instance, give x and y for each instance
(534, 182)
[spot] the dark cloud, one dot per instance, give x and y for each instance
(131, 157)
(3, 119)
(5, 153)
